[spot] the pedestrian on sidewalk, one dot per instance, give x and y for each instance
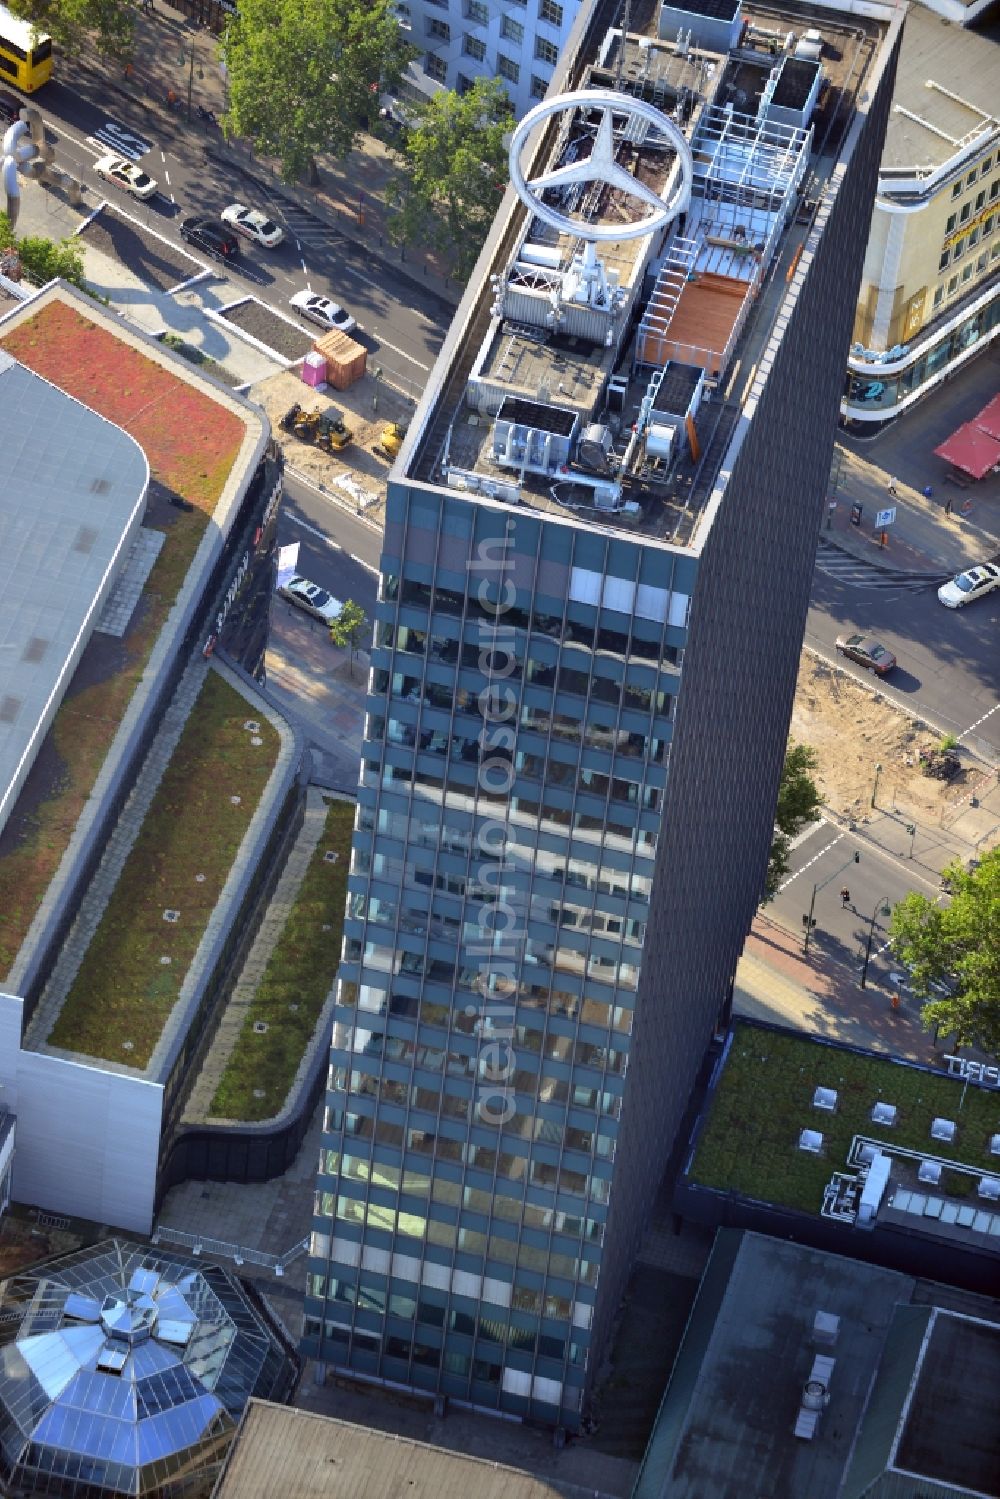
(948, 504)
(892, 490)
(845, 898)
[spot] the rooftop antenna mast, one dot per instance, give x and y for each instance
(626, 28)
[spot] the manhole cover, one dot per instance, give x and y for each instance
(236, 800)
(171, 916)
(128, 1046)
(165, 961)
(256, 740)
(252, 726)
(260, 1027)
(199, 879)
(331, 856)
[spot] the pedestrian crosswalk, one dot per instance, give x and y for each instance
(301, 224)
(857, 573)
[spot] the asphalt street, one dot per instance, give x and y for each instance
(336, 550)
(948, 668)
(824, 858)
(401, 323)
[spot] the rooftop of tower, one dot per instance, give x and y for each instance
(613, 399)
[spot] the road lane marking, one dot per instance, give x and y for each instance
(978, 722)
(806, 833)
(793, 877)
(76, 139)
(116, 137)
(314, 531)
(385, 344)
(333, 545)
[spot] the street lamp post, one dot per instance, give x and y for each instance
(878, 772)
(817, 888)
(189, 59)
(881, 908)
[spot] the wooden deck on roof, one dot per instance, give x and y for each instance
(706, 313)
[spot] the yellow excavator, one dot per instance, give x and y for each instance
(333, 434)
(390, 441)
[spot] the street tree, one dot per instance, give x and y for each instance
(952, 953)
(798, 802)
(305, 75)
(41, 259)
(349, 627)
(108, 24)
(454, 172)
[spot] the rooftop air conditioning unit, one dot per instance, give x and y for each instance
(810, 45)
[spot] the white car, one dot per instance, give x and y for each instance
(253, 224)
(974, 583)
(125, 174)
(322, 310)
(313, 599)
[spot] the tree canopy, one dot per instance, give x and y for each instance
(798, 802)
(42, 260)
(348, 628)
(305, 75)
(455, 172)
(956, 947)
(109, 24)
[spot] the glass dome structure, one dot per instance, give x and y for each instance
(124, 1370)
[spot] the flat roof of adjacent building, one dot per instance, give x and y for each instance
(946, 89)
(101, 408)
(958, 1366)
(300, 1455)
(75, 486)
(726, 1427)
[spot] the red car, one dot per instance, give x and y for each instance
(867, 652)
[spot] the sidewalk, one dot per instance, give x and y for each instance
(923, 538)
(775, 981)
(171, 53)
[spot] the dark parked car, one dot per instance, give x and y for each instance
(866, 652)
(10, 108)
(211, 236)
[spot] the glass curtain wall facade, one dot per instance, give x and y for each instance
(573, 748)
(516, 755)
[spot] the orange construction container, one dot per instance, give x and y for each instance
(345, 359)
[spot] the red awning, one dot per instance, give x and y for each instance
(988, 419)
(972, 450)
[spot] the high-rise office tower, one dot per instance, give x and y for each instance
(597, 563)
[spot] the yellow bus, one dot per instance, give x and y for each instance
(25, 56)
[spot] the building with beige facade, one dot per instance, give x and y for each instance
(930, 291)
